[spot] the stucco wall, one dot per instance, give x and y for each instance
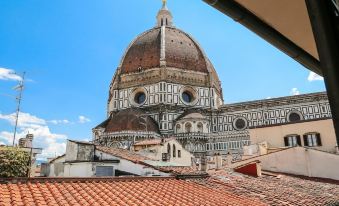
(275, 135)
(300, 161)
(82, 169)
(56, 168)
(71, 151)
(129, 166)
(79, 151)
(184, 160)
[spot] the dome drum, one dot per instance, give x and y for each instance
(138, 96)
(188, 96)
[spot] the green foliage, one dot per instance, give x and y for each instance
(13, 162)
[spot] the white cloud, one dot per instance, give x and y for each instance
(52, 143)
(8, 74)
(64, 121)
(83, 119)
(24, 120)
(294, 91)
(314, 77)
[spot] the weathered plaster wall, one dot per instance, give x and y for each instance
(155, 152)
(300, 161)
(274, 135)
(56, 168)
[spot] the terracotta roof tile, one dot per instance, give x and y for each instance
(140, 159)
(117, 191)
(148, 142)
(275, 190)
(123, 153)
(153, 141)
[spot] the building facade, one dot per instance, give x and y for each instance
(165, 86)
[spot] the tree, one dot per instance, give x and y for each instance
(14, 162)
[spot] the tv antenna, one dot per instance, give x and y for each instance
(18, 98)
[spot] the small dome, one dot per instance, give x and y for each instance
(131, 120)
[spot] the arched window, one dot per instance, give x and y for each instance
(200, 127)
(169, 149)
(162, 22)
(174, 150)
(177, 128)
(294, 116)
(188, 127)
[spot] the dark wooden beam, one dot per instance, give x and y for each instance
(324, 20)
(252, 22)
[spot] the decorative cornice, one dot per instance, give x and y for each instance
(281, 101)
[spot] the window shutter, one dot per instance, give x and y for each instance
(286, 141)
(298, 140)
(305, 140)
(318, 139)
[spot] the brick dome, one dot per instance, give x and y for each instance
(161, 48)
(179, 51)
(131, 120)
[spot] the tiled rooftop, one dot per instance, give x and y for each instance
(181, 170)
(275, 189)
(123, 153)
(118, 191)
(140, 159)
(148, 142)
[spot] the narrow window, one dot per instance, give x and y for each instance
(312, 140)
(188, 127)
(169, 149)
(200, 127)
(174, 151)
(292, 140)
(179, 153)
(177, 127)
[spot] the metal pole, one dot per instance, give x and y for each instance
(21, 86)
(30, 162)
(324, 23)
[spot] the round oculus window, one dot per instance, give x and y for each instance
(294, 117)
(187, 96)
(240, 124)
(139, 97)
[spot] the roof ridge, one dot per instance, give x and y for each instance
(79, 179)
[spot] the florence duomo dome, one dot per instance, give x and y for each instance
(163, 73)
(165, 54)
(165, 86)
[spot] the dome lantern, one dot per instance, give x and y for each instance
(164, 17)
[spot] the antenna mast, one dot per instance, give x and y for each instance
(20, 87)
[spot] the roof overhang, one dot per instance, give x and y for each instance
(290, 33)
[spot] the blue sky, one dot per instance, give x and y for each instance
(71, 48)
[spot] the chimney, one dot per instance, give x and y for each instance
(218, 161)
(27, 141)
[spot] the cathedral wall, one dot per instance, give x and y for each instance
(271, 115)
(165, 93)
